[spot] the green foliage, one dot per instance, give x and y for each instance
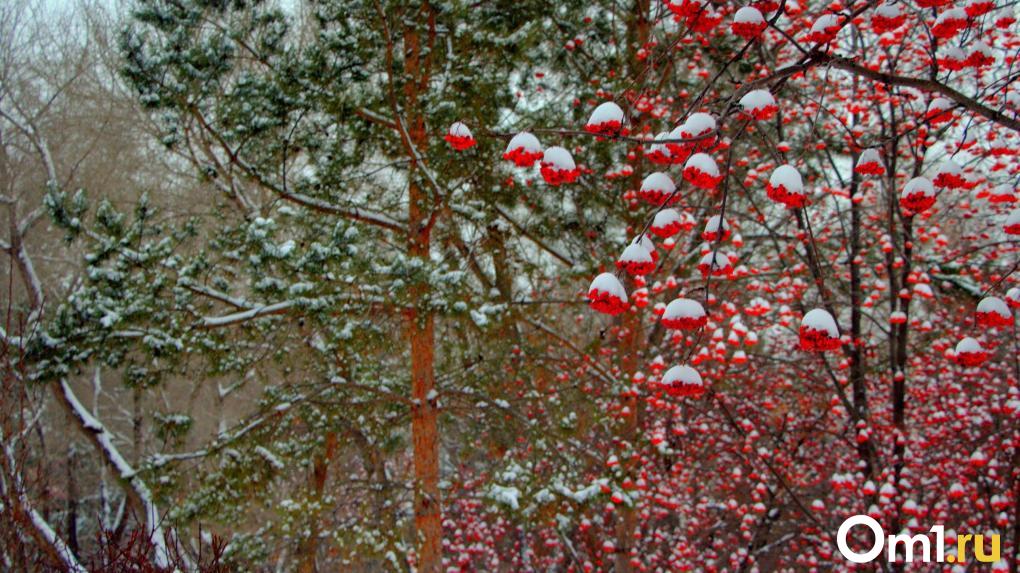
(302, 307)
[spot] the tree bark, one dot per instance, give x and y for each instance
(632, 333)
(857, 367)
(72, 500)
(309, 550)
(420, 320)
(424, 419)
(627, 525)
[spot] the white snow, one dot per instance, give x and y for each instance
(870, 155)
(951, 14)
(820, 319)
(714, 261)
(788, 177)
(606, 112)
(40, 524)
(660, 147)
(635, 253)
(525, 141)
(559, 158)
(1013, 294)
(919, 185)
(889, 10)
(15, 490)
(109, 319)
(954, 53)
(756, 100)
(994, 304)
(949, 167)
(1013, 218)
(104, 440)
(980, 48)
(712, 226)
(608, 283)
(748, 15)
(1003, 191)
(506, 495)
(699, 123)
(682, 374)
(824, 23)
(939, 104)
(683, 308)
(704, 163)
(969, 344)
(269, 457)
(645, 242)
(666, 217)
(460, 130)
(233, 318)
(658, 181)
(584, 494)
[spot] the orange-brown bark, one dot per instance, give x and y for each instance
(420, 319)
(638, 29)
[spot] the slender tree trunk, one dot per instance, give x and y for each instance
(424, 422)
(137, 420)
(420, 320)
(900, 357)
(857, 366)
(72, 500)
(627, 524)
(309, 549)
(638, 28)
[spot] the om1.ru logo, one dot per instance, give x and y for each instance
(910, 544)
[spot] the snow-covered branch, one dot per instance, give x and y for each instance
(245, 316)
(38, 528)
(135, 487)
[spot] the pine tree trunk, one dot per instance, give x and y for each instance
(424, 414)
(420, 318)
(424, 429)
(309, 549)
